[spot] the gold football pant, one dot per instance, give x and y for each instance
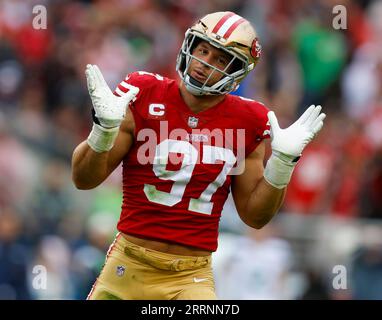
(133, 272)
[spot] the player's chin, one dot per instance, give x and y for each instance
(198, 81)
(209, 83)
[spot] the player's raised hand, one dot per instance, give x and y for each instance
(109, 109)
(287, 144)
(291, 141)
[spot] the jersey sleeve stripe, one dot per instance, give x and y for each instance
(119, 91)
(124, 84)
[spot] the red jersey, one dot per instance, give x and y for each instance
(177, 174)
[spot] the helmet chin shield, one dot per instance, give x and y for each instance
(237, 68)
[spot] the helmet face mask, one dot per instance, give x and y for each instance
(241, 61)
(226, 84)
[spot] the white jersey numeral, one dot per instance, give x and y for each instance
(212, 154)
(181, 177)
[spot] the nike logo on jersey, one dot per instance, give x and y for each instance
(197, 280)
(197, 137)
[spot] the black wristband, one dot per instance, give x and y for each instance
(94, 117)
(296, 159)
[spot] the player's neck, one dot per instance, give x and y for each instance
(199, 103)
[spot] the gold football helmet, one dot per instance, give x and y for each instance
(226, 31)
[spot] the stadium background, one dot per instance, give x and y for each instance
(331, 220)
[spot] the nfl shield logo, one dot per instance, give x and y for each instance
(192, 122)
(120, 271)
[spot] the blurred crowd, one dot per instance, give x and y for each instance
(333, 207)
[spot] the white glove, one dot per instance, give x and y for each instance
(109, 109)
(288, 144)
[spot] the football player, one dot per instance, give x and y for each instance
(183, 147)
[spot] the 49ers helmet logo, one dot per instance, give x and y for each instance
(256, 48)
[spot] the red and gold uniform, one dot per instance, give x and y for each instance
(176, 179)
(180, 199)
(178, 172)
